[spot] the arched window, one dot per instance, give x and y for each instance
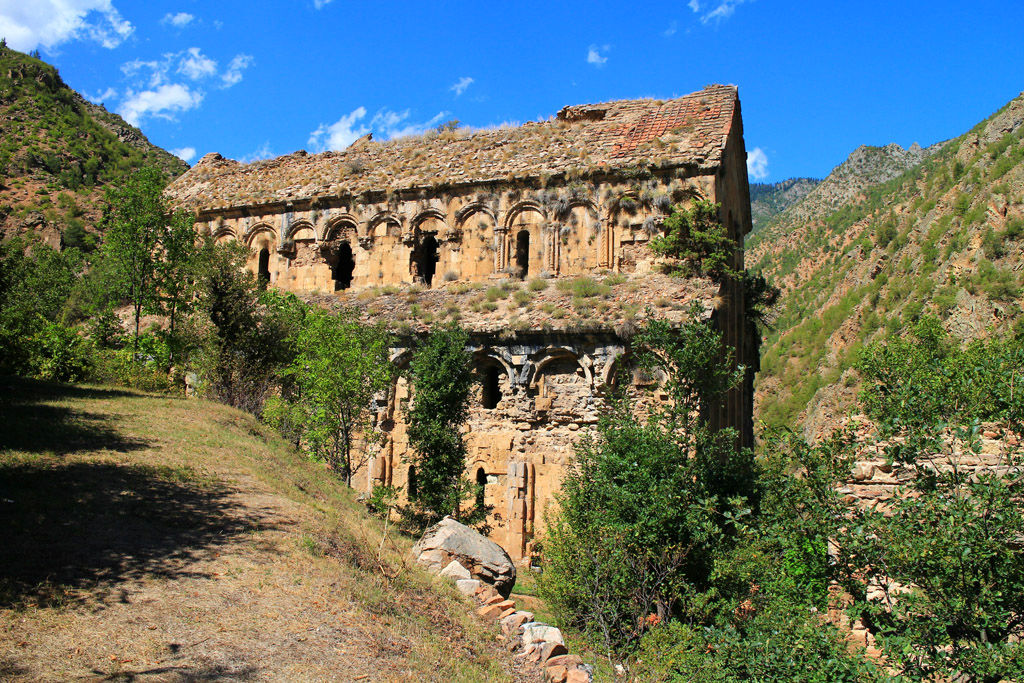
(263, 272)
(523, 253)
(341, 273)
(481, 482)
(412, 482)
(492, 387)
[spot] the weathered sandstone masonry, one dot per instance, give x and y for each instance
(457, 222)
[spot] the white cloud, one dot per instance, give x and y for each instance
(595, 57)
(393, 125)
(724, 10)
(233, 74)
(186, 154)
(100, 98)
(460, 86)
(264, 152)
(339, 134)
(671, 30)
(48, 23)
(694, 5)
(195, 65)
(163, 102)
(179, 20)
(320, 4)
(757, 164)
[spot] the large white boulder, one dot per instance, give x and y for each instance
(449, 540)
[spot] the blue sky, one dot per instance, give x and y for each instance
(255, 79)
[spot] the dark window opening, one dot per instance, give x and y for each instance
(523, 252)
(492, 387)
(263, 272)
(341, 273)
(412, 483)
(481, 481)
(425, 259)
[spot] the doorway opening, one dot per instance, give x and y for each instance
(341, 273)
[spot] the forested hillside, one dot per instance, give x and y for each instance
(891, 235)
(768, 200)
(58, 152)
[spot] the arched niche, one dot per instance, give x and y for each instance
(526, 243)
(494, 381)
(224, 235)
(562, 379)
(340, 252)
(380, 256)
(262, 261)
(478, 252)
(579, 241)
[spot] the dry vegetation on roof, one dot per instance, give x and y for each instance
(689, 131)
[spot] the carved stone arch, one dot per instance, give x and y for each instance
(523, 206)
(342, 224)
(384, 218)
(430, 214)
(550, 354)
(466, 212)
(586, 202)
(254, 230)
(224, 231)
(301, 224)
(499, 356)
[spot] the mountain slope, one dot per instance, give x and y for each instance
(768, 200)
(58, 152)
(857, 260)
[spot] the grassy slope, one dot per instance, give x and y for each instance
(943, 237)
(152, 538)
(58, 151)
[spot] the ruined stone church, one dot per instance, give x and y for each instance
(534, 237)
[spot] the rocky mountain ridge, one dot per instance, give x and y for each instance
(768, 200)
(58, 152)
(890, 235)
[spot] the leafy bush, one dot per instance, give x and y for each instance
(698, 239)
(649, 503)
(60, 354)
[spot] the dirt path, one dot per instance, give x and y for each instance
(155, 539)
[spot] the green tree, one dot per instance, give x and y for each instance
(696, 236)
(339, 366)
(178, 269)
(654, 497)
(247, 350)
(441, 377)
(135, 223)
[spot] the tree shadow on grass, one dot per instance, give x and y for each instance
(28, 423)
(76, 531)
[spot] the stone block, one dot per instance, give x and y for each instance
(467, 586)
(555, 674)
(488, 612)
(566, 660)
(578, 676)
(549, 650)
(539, 632)
(455, 572)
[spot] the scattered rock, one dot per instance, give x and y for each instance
(467, 586)
(539, 632)
(448, 541)
(455, 571)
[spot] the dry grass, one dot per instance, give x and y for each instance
(151, 538)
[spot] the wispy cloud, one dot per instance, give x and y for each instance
(195, 65)
(186, 154)
(233, 74)
(179, 20)
(723, 9)
(671, 30)
(320, 4)
(460, 85)
(171, 85)
(49, 23)
(101, 97)
(262, 152)
(340, 134)
(757, 164)
(164, 102)
(386, 124)
(595, 57)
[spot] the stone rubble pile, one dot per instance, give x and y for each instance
(479, 570)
